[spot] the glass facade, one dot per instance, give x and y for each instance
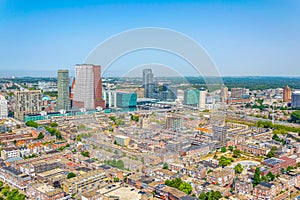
(126, 99)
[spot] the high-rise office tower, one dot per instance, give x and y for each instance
(27, 102)
(3, 107)
(287, 94)
(148, 83)
(63, 98)
(202, 98)
(239, 92)
(88, 87)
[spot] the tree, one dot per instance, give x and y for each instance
(238, 168)
(211, 195)
(85, 153)
(224, 161)
(230, 148)
(54, 124)
(289, 168)
(271, 154)
(295, 117)
(270, 176)
(120, 164)
(236, 153)
(40, 136)
(223, 149)
(256, 179)
(1, 184)
(71, 175)
(32, 124)
(116, 179)
(186, 188)
(165, 166)
(116, 152)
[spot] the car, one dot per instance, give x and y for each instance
(108, 187)
(132, 189)
(113, 185)
(141, 192)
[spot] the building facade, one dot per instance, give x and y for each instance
(3, 107)
(126, 99)
(88, 87)
(63, 98)
(202, 98)
(173, 123)
(287, 94)
(191, 97)
(296, 99)
(27, 102)
(148, 83)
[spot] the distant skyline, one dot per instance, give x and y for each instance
(243, 37)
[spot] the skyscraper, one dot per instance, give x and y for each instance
(191, 97)
(287, 94)
(88, 87)
(202, 98)
(148, 83)
(27, 102)
(63, 99)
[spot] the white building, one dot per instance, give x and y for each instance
(110, 98)
(202, 98)
(3, 107)
(10, 152)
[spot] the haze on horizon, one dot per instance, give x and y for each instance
(243, 38)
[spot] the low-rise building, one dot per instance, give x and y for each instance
(221, 176)
(85, 182)
(10, 152)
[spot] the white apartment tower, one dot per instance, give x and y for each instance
(3, 107)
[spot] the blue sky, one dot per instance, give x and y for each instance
(245, 37)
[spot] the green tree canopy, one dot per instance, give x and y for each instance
(257, 178)
(71, 175)
(238, 168)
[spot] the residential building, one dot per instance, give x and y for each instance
(224, 93)
(27, 102)
(10, 152)
(243, 185)
(110, 98)
(276, 164)
(296, 99)
(239, 92)
(88, 181)
(221, 176)
(253, 149)
(287, 94)
(173, 123)
(148, 83)
(126, 99)
(191, 97)
(63, 98)
(3, 107)
(88, 87)
(122, 140)
(264, 191)
(202, 98)
(45, 192)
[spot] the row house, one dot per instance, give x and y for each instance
(221, 176)
(264, 191)
(253, 149)
(195, 150)
(169, 193)
(243, 185)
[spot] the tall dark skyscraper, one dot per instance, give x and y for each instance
(148, 83)
(63, 99)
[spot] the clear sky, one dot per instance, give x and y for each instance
(243, 37)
